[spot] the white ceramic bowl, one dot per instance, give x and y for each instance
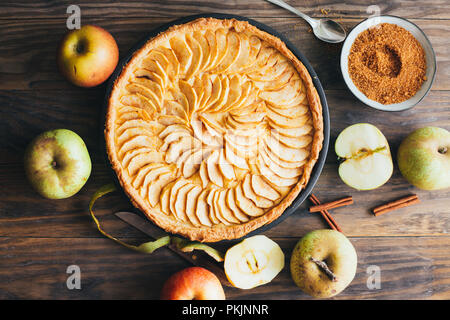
(418, 34)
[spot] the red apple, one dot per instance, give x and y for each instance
(193, 283)
(87, 56)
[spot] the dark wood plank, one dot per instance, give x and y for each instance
(411, 268)
(27, 54)
(256, 8)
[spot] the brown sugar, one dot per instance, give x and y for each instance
(387, 63)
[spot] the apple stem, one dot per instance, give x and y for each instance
(323, 266)
(442, 150)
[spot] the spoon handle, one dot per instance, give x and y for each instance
(284, 5)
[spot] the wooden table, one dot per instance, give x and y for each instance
(40, 238)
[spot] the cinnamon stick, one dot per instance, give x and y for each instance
(325, 214)
(397, 204)
(332, 205)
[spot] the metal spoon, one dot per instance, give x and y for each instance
(325, 29)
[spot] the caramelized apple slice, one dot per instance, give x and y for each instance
(282, 163)
(213, 49)
(292, 132)
(211, 210)
(164, 198)
(223, 95)
(173, 195)
(274, 179)
(174, 66)
(223, 209)
(202, 210)
(293, 112)
(203, 42)
(260, 202)
(222, 48)
(285, 153)
(214, 174)
(231, 203)
(174, 136)
(245, 204)
(234, 159)
(262, 189)
(217, 212)
(190, 94)
(173, 128)
(287, 173)
(144, 171)
(216, 89)
(225, 167)
(182, 52)
(142, 159)
(203, 172)
(233, 48)
(180, 201)
(285, 122)
(191, 205)
(154, 189)
(241, 61)
(192, 163)
(178, 147)
(197, 56)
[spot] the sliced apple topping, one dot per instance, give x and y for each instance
(285, 153)
(182, 52)
(263, 189)
(214, 125)
(253, 262)
(214, 175)
(197, 56)
(224, 211)
(231, 203)
(245, 204)
(225, 167)
(211, 208)
(202, 209)
(250, 194)
(191, 205)
(155, 188)
(173, 195)
(233, 47)
(217, 209)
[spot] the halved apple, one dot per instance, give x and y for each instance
(367, 162)
(253, 262)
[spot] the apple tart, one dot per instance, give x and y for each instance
(213, 128)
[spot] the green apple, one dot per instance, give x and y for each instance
(366, 157)
(323, 263)
(424, 158)
(87, 56)
(57, 163)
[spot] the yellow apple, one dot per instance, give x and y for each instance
(87, 56)
(57, 163)
(194, 283)
(424, 158)
(323, 263)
